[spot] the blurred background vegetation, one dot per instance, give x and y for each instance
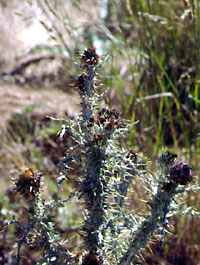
(151, 51)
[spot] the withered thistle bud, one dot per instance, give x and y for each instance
(28, 183)
(102, 119)
(98, 138)
(110, 126)
(81, 82)
(101, 112)
(90, 57)
(114, 113)
(91, 122)
(91, 259)
(181, 173)
(168, 186)
(168, 158)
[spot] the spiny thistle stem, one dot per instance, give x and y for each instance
(87, 96)
(92, 185)
(179, 174)
(148, 227)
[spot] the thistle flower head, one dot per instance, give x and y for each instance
(181, 173)
(91, 259)
(28, 183)
(89, 56)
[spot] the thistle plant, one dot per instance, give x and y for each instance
(112, 234)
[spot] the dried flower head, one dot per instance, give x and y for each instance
(181, 173)
(109, 119)
(91, 259)
(81, 81)
(98, 138)
(91, 121)
(28, 183)
(168, 158)
(90, 57)
(168, 186)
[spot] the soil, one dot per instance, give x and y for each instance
(14, 98)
